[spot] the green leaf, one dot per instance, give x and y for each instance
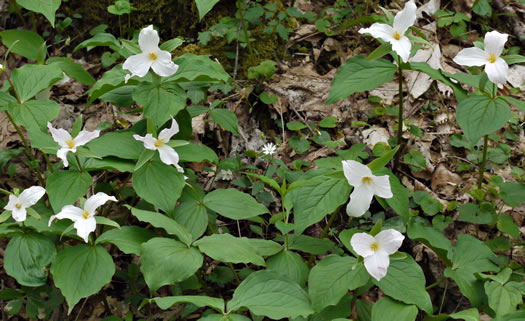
(507, 225)
(65, 187)
(233, 204)
(159, 220)
(405, 282)
(226, 119)
(191, 212)
(34, 114)
(30, 79)
(27, 256)
(473, 213)
(128, 238)
(439, 75)
(380, 51)
(267, 180)
(160, 101)
(354, 76)
(82, 270)
(513, 194)
(399, 202)
(166, 261)
(311, 245)
(73, 70)
(289, 264)
(46, 7)
(129, 147)
(385, 308)
(482, 8)
(229, 249)
(382, 161)
(198, 68)
(503, 299)
(314, 201)
(101, 220)
(171, 44)
(101, 39)
(515, 316)
(266, 69)
(481, 115)
(270, 294)
(23, 42)
(332, 278)
(199, 300)
(431, 237)
(467, 315)
(204, 6)
(159, 184)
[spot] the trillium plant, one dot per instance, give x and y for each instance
(171, 201)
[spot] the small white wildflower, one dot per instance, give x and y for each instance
(269, 149)
(225, 175)
(18, 204)
(68, 143)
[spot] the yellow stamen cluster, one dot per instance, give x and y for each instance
(153, 56)
(70, 143)
(397, 36)
(492, 58)
(374, 246)
(366, 180)
(18, 206)
(159, 143)
(85, 214)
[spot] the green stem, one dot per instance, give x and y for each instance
(48, 162)
(244, 28)
(234, 273)
(78, 162)
(6, 192)
(483, 161)
(330, 221)
(400, 118)
(435, 284)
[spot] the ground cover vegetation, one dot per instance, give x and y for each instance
(262, 160)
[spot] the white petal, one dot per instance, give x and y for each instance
(138, 65)
(148, 140)
(13, 200)
(167, 133)
(389, 240)
(402, 47)
(126, 78)
(360, 200)
(377, 265)
(405, 18)
(149, 39)
(379, 30)
(85, 137)
(472, 57)
(163, 66)
(381, 186)
(495, 42)
(168, 155)
(355, 171)
(30, 196)
(70, 212)
(362, 244)
(85, 226)
(497, 71)
(59, 135)
(62, 154)
(97, 200)
(19, 214)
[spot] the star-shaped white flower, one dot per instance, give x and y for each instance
(495, 66)
(151, 56)
(269, 149)
(68, 143)
(18, 204)
(167, 154)
(376, 250)
(84, 219)
(365, 186)
(396, 34)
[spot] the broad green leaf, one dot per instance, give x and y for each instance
(515, 316)
(29, 79)
(378, 163)
(159, 184)
(171, 44)
(82, 270)
(233, 204)
(159, 101)
(191, 212)
(385, 308)
(27, 256)
(332, 278)
(34, 114)
(431, 237)
(467, 315)
(380, 51)
(222, 317)
(229, 249)
(312, 245)
(198, 68)
(46, 7)
(474, 213)
(199, 300)
(512, 193)
(65, 187)
(481, 115)
(129, 147)
(267, 180)
(289, 264)
(204, 6)
(101, 39)
(166, 261)
(159, 220)
(128, 238)
(405, 282)
(507, 225)
(503, 299)
(226, 119)
(354, 76)
(23, 42)
(73, 70)
(266, 247)
(439, 75)
(109, 163)
(270, 294)
(197, 153)
(513, 101)
(111, 80)
(314, 201)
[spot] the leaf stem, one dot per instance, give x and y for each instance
(6, 192)
(483, 161)
(78, 162)
(243, 23)
(400, 114)
(234, 273)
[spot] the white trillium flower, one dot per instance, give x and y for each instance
(495, 66)
(18, 204)
(269, 149)
(151, 56)
(167, 154)
(365, 186)
(84, 220)
(68, 143)
(396, 34)
(376, 250)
